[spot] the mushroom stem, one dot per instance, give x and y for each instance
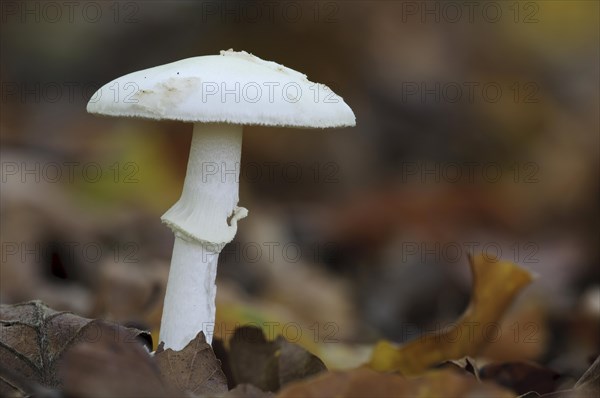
(189, 305)
(203, 220)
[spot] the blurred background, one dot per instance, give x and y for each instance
(477, 131)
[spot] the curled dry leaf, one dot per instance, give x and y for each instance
(590, 381)
(521, 377)
(195, 369)
(495, 285)
(465, 365)
(269, 365)
(33, 339)
(111, 366)
(253, 359)
(221, 353)
(295, 363)
(364, 382)
(248, 391)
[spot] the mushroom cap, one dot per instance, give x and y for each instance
(233, 87)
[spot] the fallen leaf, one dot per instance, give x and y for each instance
(591, 378)
(295, 363)
(131, 292)
(495, 284)
(222, 355)
(524, 334)
(34, 337)
(364, 382)
(111, 367)
(14, 385)
(464, 365)
(269, 365)
(521, 377)
(195, 369)
(253, 359)
(248, 391)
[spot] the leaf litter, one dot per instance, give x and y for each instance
(45, 351)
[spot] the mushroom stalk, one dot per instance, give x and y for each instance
(189, 305)
(203, 220)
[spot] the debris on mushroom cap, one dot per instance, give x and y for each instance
(273, 65)
(233, 87)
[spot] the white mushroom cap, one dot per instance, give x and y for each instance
(233, 87)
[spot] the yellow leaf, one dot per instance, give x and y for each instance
(495, 284)
(363, 382)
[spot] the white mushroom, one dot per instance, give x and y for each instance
(219, 94)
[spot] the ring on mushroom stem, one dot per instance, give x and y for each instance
(219, 94)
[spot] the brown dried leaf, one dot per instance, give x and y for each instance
(269, 365)
(16, 386)
(248, 391)
(195, 369)
(295, 363)
(464, 365)
(34, 337)
(521, 377)
(590, 381)
(111, 367)
(222, 355)
(364, 382)
(495, 285)
(253, 359)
